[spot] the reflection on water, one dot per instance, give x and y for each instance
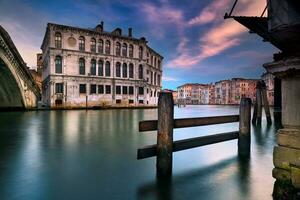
(92, 155)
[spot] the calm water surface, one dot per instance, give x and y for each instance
(92, 155)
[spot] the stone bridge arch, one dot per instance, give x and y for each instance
(17, 87)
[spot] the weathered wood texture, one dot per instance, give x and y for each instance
(266, 103)
(244, 141)
(259, 103)
(165, 127)
(254, 113)
(151, 125)
(150, 151)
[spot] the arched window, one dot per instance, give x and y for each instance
(141, 72)
(81, 66)
(100, 46)
(100, 68)
(131, 70)
(124, 70)
(58, 64)
(107, 68)
(118, 69)
(93, 67)
(158, 64)
(93, 45)
(140, 52)
(131, 51)
(158, 79)
(81, 43)
(118, 49)
(124, 50)
(107, 47)
(58, 40)
(154, 62)
(155, 78)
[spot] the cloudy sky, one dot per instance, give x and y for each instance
(198, 45)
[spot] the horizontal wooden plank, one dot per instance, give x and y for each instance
(151, 125)
(150, 151)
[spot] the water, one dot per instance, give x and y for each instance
(92, 155)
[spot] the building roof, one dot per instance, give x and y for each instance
(95, 31)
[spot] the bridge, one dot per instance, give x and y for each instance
(18, 89)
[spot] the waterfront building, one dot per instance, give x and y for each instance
(212, 94)
(85, 67)
(222, 89)
(204, 94)
(222, 92)
(184, 93)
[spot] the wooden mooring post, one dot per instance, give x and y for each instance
(165, 124)
(244, 141)
(261, 101)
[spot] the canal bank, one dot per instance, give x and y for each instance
(78, 154)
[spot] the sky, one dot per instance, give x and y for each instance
(197, 44)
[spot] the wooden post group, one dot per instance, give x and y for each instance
(261, 100)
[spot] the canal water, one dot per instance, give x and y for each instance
(92, 155)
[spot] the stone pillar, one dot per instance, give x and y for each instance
(286, 155)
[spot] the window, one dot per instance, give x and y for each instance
(59, 88)
(58, 40)
(140, 52)
(131, 70)
(118, 101)
(124, 70)
(131, 101)
(107, 89)
(118, 69)
(81, 43)
(155, 78)
(124, 88)
(107, 68)
(118, 49)
(130, 89)
(141, 101)
(58, 65)
(100, 89)
(100, 68)
(158, 64)
(141, 72)
(151, 77)
(93, 89)
(158, 80)
(81, 66)
(124, 50)
(118, 89)
(131, 51)
(100, 46)
(93, 45)
(107, 47)
(82, 88)
(141, 90)
(93, 67)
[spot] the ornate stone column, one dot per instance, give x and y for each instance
(286, 155)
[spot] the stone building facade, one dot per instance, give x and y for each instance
(96, 68)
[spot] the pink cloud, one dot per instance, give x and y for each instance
(210, 13)
(223, 35)
(161, 16)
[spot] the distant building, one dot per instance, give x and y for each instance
(222, 92)
(92, 67)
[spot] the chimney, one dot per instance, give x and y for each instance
(129, 32)
(102, 24)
